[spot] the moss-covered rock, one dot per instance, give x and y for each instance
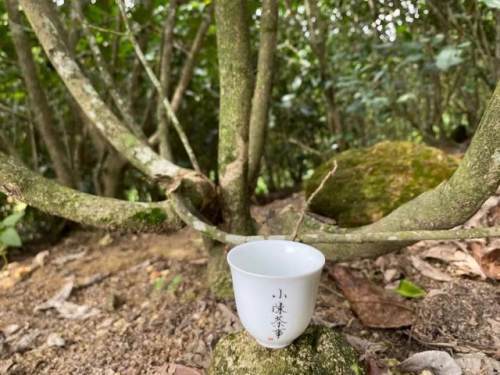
(318, 351)
(371, 182)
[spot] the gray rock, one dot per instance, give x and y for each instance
(318, 351)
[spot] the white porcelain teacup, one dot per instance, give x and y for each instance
(275, 285)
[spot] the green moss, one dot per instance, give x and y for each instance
(318, 351)
(154, 216)
(130, 140)
(371, 182)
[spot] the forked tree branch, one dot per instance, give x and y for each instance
(46, 25)
(156, 83)
(120, 102)
(186, 73)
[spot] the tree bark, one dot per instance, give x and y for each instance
(165, 72)
(263, 87)
(236, 85)
(40, 107)
(497, 44)
(46, 25)
(48, 196)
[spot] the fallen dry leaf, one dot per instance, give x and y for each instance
(488, 258)
(15, 273)
(40, 259)
(70, 257)
(176, 369)
(478, 363)
(461, 262)
(374, 306)
(428, 270)
(67, 310)
(441, 363)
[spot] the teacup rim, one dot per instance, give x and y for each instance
(276, 277)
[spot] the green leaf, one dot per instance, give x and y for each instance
(159, 283)
(406, 97)
(448, 57)
(12, 219)
(407, 289)
(172, 286)
(9, 237)
(495, 4)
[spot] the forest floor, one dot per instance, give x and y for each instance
(111, 303)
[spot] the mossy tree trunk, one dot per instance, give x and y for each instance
(236, 86)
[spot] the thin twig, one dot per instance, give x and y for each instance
(310, 199)
(156, 83)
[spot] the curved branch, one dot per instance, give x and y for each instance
(45, 23)
(48, 196)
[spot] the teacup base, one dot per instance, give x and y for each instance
(270, 345)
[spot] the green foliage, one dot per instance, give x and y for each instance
(400, 71)
(408, 289)
(495, 4)
(8, 233)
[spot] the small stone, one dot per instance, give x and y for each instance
(55, 340)
(320, 350)
(40, 259)
(106, 240)
(26, 341)
(391, 274)
(11, 329)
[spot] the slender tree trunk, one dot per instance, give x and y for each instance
(165, 73)
(40, 107)
(497, 44)
(263, 87)
(189, 64)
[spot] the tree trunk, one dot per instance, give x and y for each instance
(263, 87)
(236, 85)
(165, 73)
(39, 104)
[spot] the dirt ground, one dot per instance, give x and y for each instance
(139, 304)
